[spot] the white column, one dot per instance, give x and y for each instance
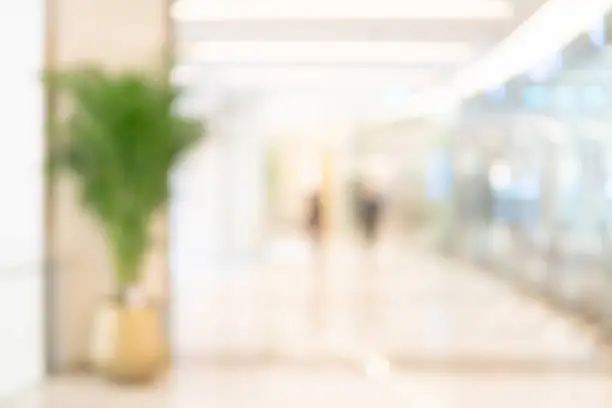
(248, 186)
(21, 183)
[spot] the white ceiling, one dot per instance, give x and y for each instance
(338, 46)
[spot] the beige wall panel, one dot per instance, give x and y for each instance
(116, 34)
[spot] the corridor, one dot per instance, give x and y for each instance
(447, 335)
(156, 173)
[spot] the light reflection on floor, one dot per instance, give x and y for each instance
(407, 303)
(285, 386)
(443, 336)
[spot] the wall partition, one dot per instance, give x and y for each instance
(21, 202)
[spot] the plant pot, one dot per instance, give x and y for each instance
(128, 343)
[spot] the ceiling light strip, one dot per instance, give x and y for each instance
(215, 10)
(547, 32)
(552, 28)
(306, 52)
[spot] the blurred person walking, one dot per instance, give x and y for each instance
(314, 222)
(315, 225)
(369, 208)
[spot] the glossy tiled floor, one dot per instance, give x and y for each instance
(444, 336)
(399, 301)
(281, 387)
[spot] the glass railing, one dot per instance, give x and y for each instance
(544, 218)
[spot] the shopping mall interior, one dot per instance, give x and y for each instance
(396, 203)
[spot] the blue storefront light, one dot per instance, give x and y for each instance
(534, 97)
(594, 97)
(439, 175)
(496, 94)
(547, 68)
(597, 33)
(564, 97)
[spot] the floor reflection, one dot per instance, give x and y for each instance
(403, 303)
(402, 328)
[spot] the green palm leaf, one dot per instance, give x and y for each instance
(121, 142)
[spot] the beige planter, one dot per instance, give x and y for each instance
(128, 343)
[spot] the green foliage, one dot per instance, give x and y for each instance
(121, 141)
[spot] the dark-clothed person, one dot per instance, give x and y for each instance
(315, 216)
(369, 214)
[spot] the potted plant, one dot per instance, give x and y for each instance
(120, 144)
